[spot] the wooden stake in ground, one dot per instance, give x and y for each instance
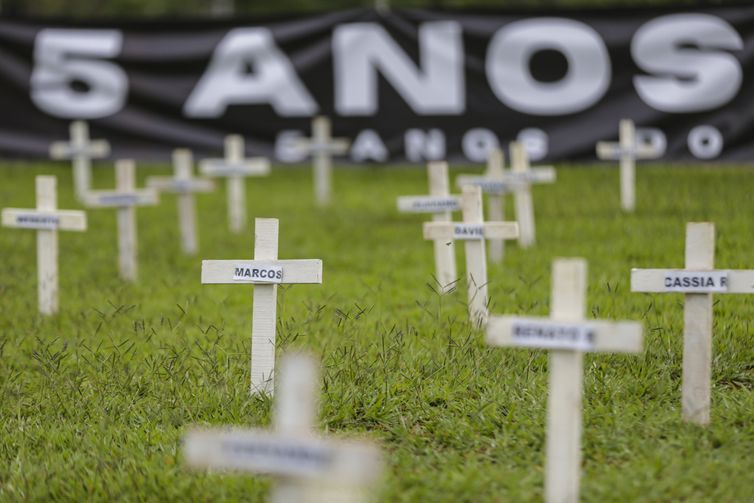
(322, 146)
(125, 198)
(627, 150)
(46, 219)
(307, 468)
(440, 203)
(265, 272)
(184, 184)
(81, 151)
(234, 167)
(474, 230)
(698, 281)
(567, 335)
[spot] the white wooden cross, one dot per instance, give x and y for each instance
(125, 198)
(47, 220)
(234, 167)
(497, 182)
(627, 150)
(81, 151)
(474, 230)
(494, 185)
(184, 184)
(307, 467)
(568, 335)
(698, 281)
(322, 146)
(265, 272)
(440, 203)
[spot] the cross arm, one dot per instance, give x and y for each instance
(335, 146)
(428, 204)
(541, 174)
(254, 166)
(66, 220)
(691, 281)
(65, 150)
(117, 199)
(546, 333)
(461, 230)
(488, 185)
(243, 271)
(339, 461)
(180, 186)
(613, 151)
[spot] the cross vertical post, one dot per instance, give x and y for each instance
(697, 318)
(496, 201)
(125, 174)
(627, 139)
(322, 146)
(522, 196)
(445, 251)
(81, 151)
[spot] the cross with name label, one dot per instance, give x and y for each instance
(81, 151)
(265, 272)
(307, 468)
(698, 281)
(322, 146)
(440, 203)
(184, 184)
(627, 150)
(492, 183)
(474, 230)
(567, 335)
(234, 167)
(125, 198)
(46, 219)
(497, 182)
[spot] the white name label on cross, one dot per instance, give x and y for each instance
(698, 282)
(476, 260)
(440, 203)
(81, 151)
(125, 198)
(567, 334)
(265, 272)
(627, 150)
(322, 146)
(234, 167)
(184, 185)
(46, 220)
(308, 468)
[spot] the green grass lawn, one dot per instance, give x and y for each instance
(94, 401)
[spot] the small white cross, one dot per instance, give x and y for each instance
(234, 167)
(81, 151)
(125, 198)
(627, 150)
(567, 334)
(265, 272)
(440, 203)
(474, 230)
(46, 219)
(322, 146)
(307, 468)
(184, 184)
(698, 281)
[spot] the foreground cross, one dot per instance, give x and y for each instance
(125, 198)
(47, 220)
(234, 167)
(698, 281)
(265, 272)
(567, 335)
(81, 151)
(307, 468)
(322, 146)
(474, 230)
(440, 203)
(627, 150)
(184, 184)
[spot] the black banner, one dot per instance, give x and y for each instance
(405, 85)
